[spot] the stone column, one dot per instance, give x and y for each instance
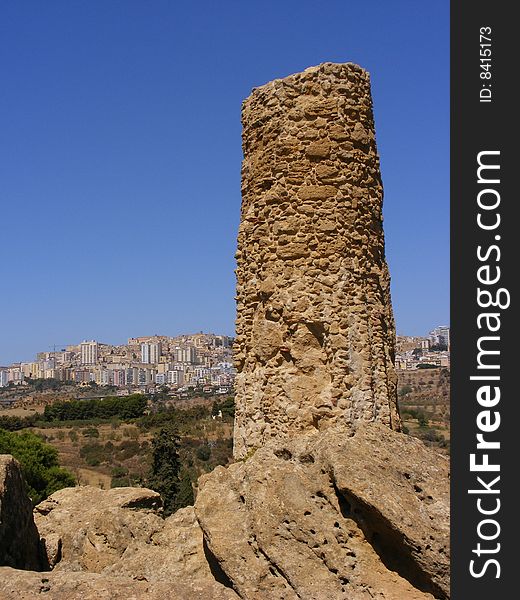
(315, 330)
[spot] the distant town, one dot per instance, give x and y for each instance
(144, 363)
(187, 361)
(414, 352)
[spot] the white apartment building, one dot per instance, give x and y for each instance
(175, 377)
(187, 354)
(440, 336)
(4, 378)
(89, 352)
(151, 353)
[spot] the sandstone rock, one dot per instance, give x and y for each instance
(311, 178)
(19, 540)
(86, 528)
(175, 553)
(28, 585)
(119, 534)
(332, 515)
(320, 149)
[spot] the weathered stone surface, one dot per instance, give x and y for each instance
(19, 540)
(119, 534)
(332, 516)
(311, 227)
(174, 553)
(86, 528)
(60, 585)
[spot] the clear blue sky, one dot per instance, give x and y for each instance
(120, 156)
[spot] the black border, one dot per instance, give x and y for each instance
(478, 126)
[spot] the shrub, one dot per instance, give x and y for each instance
(203, 452)
(39, 463)
(93, 454)
(90, 432)
(422, 420)
(405, 390)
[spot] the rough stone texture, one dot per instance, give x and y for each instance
(86, 528)
(119, 534)
(28, 585)
(176, 552)
(19, 540)
(315, 330)
(325, 516)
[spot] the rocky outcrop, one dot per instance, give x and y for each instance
(120, 534)
(331, 515)
(99, 544)
(87, 529)
(315, 331)
(28, 585)
(327, 516)
(19, 540)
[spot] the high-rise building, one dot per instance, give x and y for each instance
(440, 336)
(175, 377)
(151, 353)
(118, 377)
(187, 354)
(4, 378)
(89, 352)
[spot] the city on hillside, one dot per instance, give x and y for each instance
(187, 361)
(414, 352)
(144, 363)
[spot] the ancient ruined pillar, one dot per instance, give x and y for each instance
(315, 329)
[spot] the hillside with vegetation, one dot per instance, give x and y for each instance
(116, 441)
(424, 403)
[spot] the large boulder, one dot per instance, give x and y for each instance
(19, 540)
(87, 529)
(120, 534)
(332, 515)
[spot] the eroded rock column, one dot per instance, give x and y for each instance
(315, 329)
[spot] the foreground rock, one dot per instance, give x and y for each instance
(334, 515)
(88, 529)
(19, 540)
(120, 534)
(327, 516)
(28, 585)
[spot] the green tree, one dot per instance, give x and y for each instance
(39, 463)
(184, 495)
(227, 407)
(422, 420)
(166, 464)
(405, 390)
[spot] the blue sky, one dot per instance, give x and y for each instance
(120, 156)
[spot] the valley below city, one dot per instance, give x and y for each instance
(116, 452)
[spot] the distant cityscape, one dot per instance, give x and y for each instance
(143, 363)
(413, 352)
(186, 361)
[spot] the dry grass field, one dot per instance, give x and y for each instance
(424, 402)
